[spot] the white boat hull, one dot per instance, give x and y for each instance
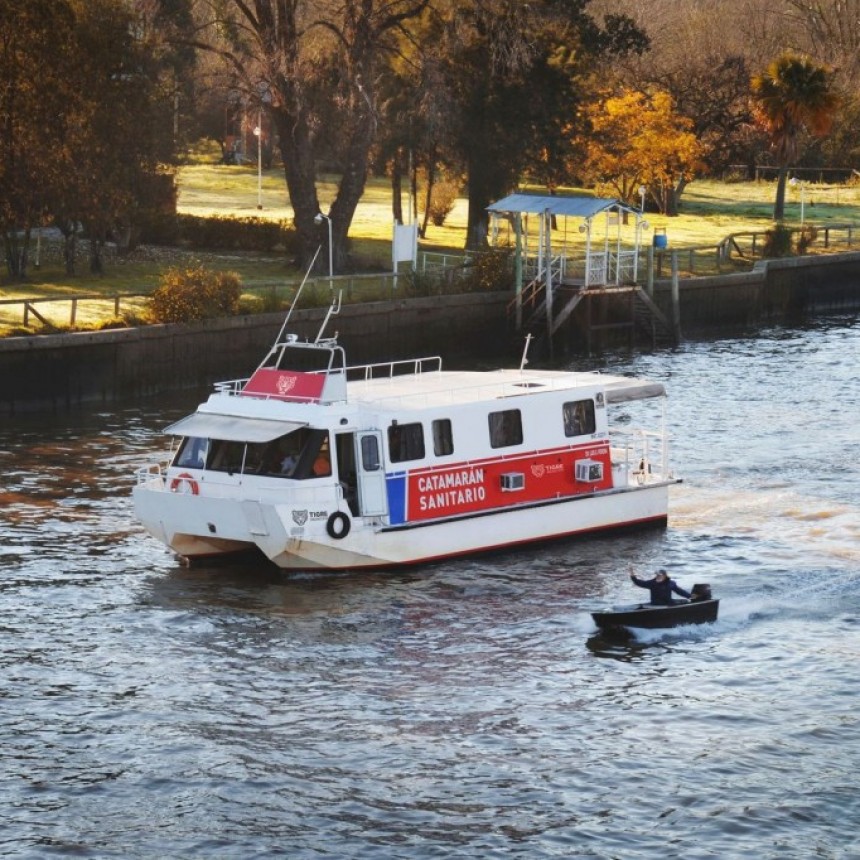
(207, 527)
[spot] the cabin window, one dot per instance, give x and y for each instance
(370, 459)
(506, 428)
(192, 454)
(405, 442)
(278, 458)
(259, 458)
(443, 441)
(578, 418)
(226, 456)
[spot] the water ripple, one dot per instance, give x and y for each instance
(465, 709)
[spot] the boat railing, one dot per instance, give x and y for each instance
(151, 472)
(266, 487)
(365, 372)
(641, 453)
(390, 369)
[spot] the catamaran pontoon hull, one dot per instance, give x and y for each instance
(220, 526)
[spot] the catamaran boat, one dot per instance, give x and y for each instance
(325, 466)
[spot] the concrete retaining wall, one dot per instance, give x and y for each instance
(775, 290)
(60, 372)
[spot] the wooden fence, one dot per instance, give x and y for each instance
(739, 251)
(436, 274)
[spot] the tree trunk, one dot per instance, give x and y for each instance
(489, 180)
(779, 203)
(413, 190)
(397, 188)
(17, 253)
(96, 260)
(69, 251)
(360, 134)
(300, 175)
(481, 192)
(281, 29)
(428, 196)
(300, 172)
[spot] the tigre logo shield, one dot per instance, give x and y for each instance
(285, 384)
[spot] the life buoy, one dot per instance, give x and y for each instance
(338, 525)
(184, 480)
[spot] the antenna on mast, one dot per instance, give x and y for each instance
(296, 296)
(333, 308)
(524, 361)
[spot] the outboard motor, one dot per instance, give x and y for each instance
(700, 591)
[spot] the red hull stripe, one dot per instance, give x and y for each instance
(492, 512)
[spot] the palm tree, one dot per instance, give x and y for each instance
(791, 95)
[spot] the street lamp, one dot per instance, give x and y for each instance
(795, 181)
(318, 219)
(642, 190)
(258, 133)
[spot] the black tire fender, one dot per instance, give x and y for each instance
(338, 525)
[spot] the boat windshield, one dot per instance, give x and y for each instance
(300, 454)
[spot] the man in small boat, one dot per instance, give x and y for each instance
(661, 587)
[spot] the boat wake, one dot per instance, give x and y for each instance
(777, 515)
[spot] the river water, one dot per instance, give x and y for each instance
(466, 709)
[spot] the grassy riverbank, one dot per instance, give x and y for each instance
(711, 210)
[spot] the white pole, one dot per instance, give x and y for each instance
(258, 131)
(318, 219)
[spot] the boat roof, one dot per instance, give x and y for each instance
(233, 415)
(461, 387)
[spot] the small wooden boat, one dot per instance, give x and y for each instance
(702, 608)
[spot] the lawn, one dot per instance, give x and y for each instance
(711, 210)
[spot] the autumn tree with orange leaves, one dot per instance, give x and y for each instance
(639, 139)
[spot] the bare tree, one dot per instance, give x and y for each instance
(315, 65)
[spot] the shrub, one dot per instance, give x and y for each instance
(421, 284)
(161, 230)
(261, 303)
(490, 271)
(111, 323)
(442, 202)
(236, 234)
(807, 236)
(777, 242)
(186, 295)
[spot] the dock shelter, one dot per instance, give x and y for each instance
(609, 256)
(581, 242)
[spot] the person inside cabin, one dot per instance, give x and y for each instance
(282, 456)
(322, 463)
(661, 587)
(289, 463)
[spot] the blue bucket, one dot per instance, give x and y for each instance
(661, 240)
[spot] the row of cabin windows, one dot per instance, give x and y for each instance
(406, 441)
(305, 453)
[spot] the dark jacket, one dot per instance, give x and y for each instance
(661, 592)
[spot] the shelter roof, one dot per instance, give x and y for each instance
(575, 207)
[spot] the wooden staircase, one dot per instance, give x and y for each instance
(643, 318)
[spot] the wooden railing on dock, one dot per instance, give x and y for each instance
(28, 305)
